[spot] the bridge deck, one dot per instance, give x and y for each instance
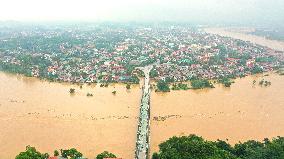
(143, 143)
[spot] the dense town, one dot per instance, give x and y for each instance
(107, 53)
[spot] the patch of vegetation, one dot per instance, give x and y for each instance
(128, 86)
(180, 86)
(104, 85)
(199, 84)
(226, 82)
(56, 153)
(72, 91)
(264, 83)
(134, 80)
(32, 153)
(162, 86)
(71, 153)
(153, 73)
(280, 71)
(89, 94)
(105, 154)
(195, 147)
(256, 70)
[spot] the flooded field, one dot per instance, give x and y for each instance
(45, 115)
(233, 33)
(244, 111)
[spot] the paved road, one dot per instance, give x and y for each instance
(143, 143)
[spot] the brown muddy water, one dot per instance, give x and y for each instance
(242, 112)
(45, 115)
(234, 33)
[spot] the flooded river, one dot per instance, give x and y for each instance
(273, 44)
(45, 115)
(244, 111)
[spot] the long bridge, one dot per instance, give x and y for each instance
(143, 133)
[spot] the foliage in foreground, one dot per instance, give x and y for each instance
(195, 147)
(105, 154)
(71, 153)
(32, 153)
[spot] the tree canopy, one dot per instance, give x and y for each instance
(195, 147)
(163, 86)
(31, 153)
(105, 154)
(71, 153)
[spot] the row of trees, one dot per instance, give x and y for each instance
(32, 153)
(202, 83)
(163, 85)
(195, 147)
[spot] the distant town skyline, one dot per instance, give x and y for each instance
(196, 11)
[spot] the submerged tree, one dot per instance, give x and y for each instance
(72, 90)
(128, 86)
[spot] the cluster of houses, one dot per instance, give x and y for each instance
(111, 54)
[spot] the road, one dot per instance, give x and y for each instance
(143, 138)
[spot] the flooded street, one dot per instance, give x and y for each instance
(45, 115)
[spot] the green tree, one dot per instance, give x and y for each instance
(56, 153)
(155, 155)
(72, 90)
(71, 153)
(128, 86)
(134, 79)
(163, 86)
(32, 153)
(197, 84)
(153, 73)
(192, 147)
(105, 154)
(226, 81)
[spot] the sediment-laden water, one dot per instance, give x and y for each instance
(242, 112)
(273, 44)
(45, 115)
